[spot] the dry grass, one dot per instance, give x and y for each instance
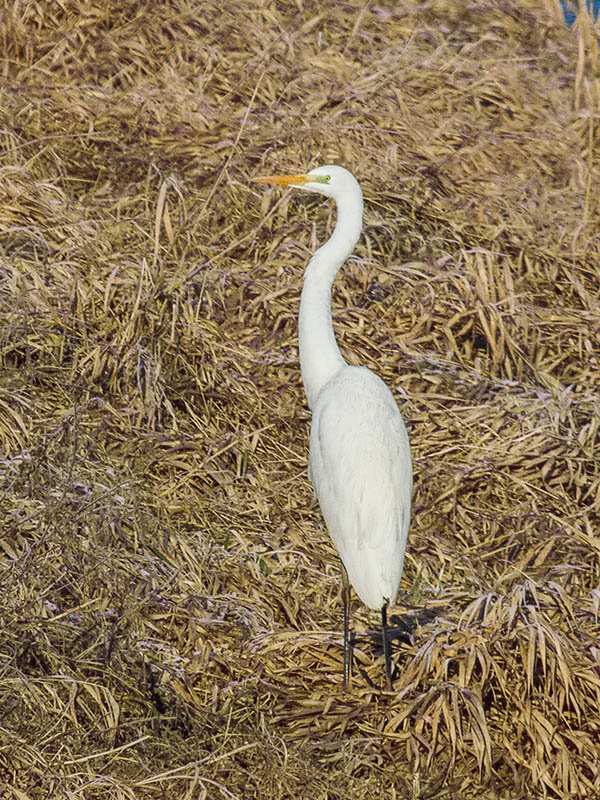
(170, 607)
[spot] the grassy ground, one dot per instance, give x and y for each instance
(171, 613)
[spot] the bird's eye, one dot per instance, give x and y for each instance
(322, 178)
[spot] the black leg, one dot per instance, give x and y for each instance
(387, 655)
(347, 645)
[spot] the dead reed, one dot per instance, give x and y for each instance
(170, 613)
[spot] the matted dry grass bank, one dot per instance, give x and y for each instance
(170, 612)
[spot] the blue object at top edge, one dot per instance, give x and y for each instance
(570, 13)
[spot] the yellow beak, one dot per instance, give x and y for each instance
(282, 180)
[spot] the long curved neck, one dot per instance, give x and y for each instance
(320, 357)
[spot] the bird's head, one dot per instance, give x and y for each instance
(332, 181)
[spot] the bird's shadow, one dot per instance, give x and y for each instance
(400, 631)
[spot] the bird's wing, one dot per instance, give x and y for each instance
(361, 469)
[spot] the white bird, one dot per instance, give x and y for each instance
(359, 462)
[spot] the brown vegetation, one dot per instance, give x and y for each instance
(170, 613)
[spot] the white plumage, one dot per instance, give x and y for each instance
(359, 454)
(359, 463)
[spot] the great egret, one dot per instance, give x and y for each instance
(359, 461)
